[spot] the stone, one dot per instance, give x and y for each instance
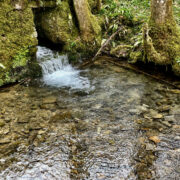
(164, 108)
(4, 130)
(154, 114)
(49, 100)
(2, 123)
(166, 123)
(56, 24)
(175, 91)
(150, 147)
(155, 139)
(134, 111)
(5, 140)
(169, 118)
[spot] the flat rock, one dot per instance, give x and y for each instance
(155, 139)
(49, 100)
(5, 141)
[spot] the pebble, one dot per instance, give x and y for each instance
(150, 147)
(169, 118)
(155, 139)
(2, 123)
(5, 141)
(166, 123)
(49, 100)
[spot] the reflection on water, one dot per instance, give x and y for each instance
(126, 128)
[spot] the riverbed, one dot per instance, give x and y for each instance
(102, 123)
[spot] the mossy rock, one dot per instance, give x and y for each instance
(176, 68)
(121, 51)
(136, 56)
(56, 24)
(18, 38)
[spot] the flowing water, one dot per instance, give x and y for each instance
(101, 123)
(57, 71)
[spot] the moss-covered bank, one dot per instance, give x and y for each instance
(18, 39)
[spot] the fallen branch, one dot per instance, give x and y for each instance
(135, 69)
(106, 43)
(126, 65)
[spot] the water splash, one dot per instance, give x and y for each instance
(57, 71)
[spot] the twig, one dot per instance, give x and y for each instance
(133, 68)
(106, 43)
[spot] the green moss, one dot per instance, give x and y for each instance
(121, 51)
(21, 58)
(162, 45)
(135, 56)
(78, 48)
(17, 31)
(56, 24)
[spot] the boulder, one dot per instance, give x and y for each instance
(18, 39)
(56, 24)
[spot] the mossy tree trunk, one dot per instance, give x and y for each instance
(88, 23)
(161, 35)
(161, 11)
(99, 4)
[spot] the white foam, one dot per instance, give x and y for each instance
(57, 71)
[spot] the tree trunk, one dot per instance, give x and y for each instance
(161, 11)
(99, 3)
(88, 24)
(161, 36)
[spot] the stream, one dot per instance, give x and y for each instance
(103, 123)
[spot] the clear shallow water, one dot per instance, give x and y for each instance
(53, 133)
(57, 72)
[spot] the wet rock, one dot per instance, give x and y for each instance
(169, 118)
(2, 123)
(97, 106)
(155, 139)
(35, 126)
(4, 130)
(166, 123)
(5, 140)
(150, 147)
(134, 111)
(164, 108)
(175, 111)
(175, 91)
(63, 116)
(178, 169)
(81, 126)
(154, 114)
(8, 119)
(49, 100)
(23, 120)
(139, 109)
(47, 106)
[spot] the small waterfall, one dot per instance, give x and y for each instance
(57, 71)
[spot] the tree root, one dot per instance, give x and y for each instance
(150, 53)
